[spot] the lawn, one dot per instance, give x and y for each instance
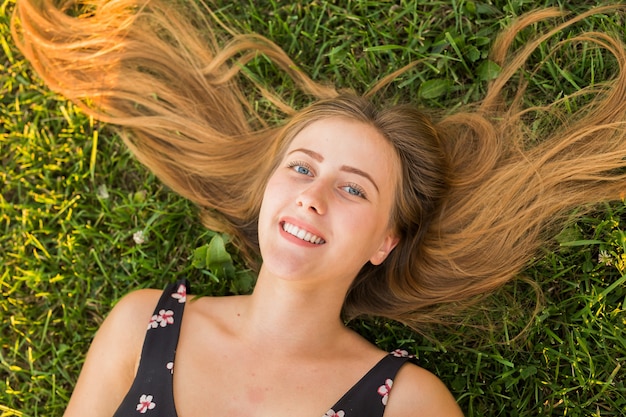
(82, 223)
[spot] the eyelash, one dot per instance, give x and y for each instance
(359, 189)
(356, 187)
(300, 164)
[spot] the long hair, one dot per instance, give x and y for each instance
(481, 189)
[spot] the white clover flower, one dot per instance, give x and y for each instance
(605, 258)
(139, 237)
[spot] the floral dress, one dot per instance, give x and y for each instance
(151, 393)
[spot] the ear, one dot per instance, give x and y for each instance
(390, 242)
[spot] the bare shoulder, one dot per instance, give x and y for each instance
(127, 322)
(110, 366)
(418, 392)
(135, 307)
(125, 327)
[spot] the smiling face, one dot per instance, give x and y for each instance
(326, 209)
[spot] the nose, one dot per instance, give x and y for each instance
(313, 198)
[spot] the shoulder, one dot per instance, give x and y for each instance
(121, 335)
(135, 305)
(417, 391)
(113, 356)
(130, 316)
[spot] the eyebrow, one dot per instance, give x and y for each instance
(345, 168)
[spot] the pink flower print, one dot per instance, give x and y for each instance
(145, 404)
(401, 353)
(165, 317)
(181, 294)
(154, 322)
(170, 366)
(162, 319)
(332, 413)
(384, 390)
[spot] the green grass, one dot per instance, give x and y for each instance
(72, 198)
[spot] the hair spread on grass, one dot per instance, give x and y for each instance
(481, 190)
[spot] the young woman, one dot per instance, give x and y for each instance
(353, 210)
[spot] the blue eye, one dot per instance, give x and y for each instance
(355, 190)
(300, 168)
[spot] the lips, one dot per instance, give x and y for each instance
(302, 234)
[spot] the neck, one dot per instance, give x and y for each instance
(293, 317)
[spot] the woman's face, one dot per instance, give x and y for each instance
(326, 209)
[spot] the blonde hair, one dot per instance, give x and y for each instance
(480, 190)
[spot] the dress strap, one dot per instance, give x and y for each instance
(153, 388)
(368, 397)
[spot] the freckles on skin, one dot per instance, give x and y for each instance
(256, 395)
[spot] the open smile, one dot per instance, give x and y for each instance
(302, 234)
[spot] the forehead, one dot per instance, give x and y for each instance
(342, 132)
(349, 142)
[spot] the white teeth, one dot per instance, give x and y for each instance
(302, 234)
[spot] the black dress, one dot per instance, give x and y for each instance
(152, 392)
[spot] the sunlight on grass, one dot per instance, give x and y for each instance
(82, 223)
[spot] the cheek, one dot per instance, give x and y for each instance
(274, 191)
(272, 197)
(362, 225)
(266, 208)
(371, 227)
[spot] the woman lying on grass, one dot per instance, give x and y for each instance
(353, 209)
